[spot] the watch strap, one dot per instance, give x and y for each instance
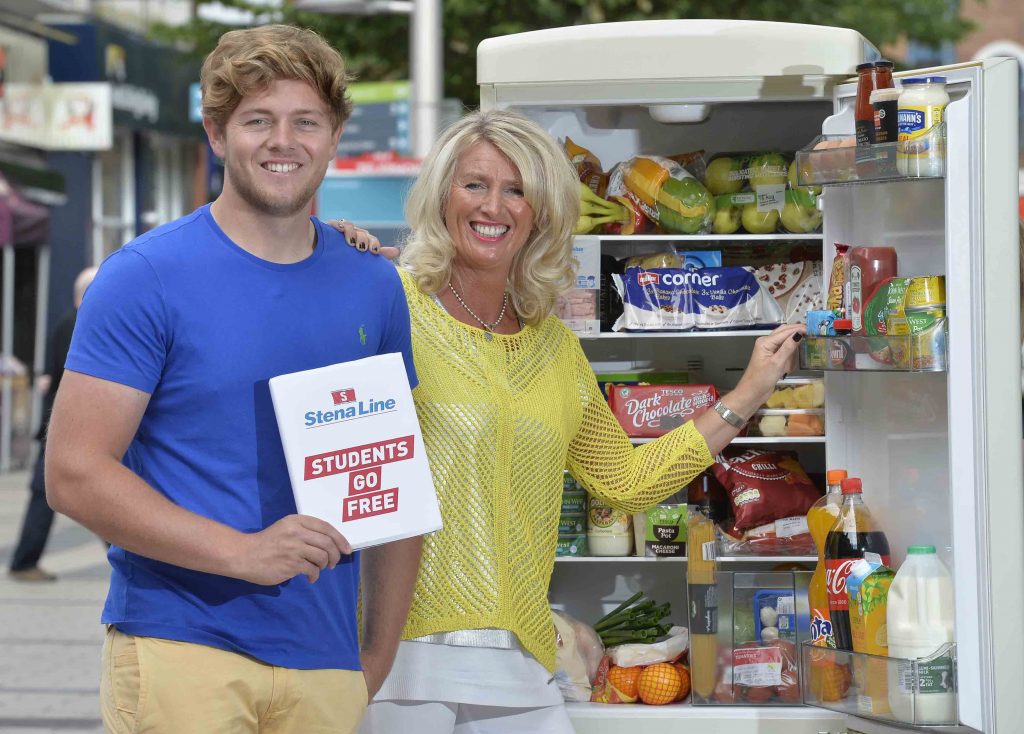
(731, 417)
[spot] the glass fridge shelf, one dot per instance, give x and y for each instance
(920, 692)
(921, 352)
(836, 159)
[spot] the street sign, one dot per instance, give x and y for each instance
(379, 121)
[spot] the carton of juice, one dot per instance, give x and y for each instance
(868, 589)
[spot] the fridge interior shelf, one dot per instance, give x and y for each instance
(921, 692)
(757, 440)
(836, 159)
(682, 559)
(921, 352)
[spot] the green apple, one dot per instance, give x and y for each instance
(767, 169)
(794, 182)
(727, 220)
(723, 176)
(800, 219)
(757, 222)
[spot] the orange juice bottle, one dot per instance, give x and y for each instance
(829, 678)
(820, 519)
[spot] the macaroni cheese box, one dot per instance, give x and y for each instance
(354, 450)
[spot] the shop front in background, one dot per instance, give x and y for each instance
(146, 177)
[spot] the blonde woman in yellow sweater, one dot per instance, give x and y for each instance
(506, 401)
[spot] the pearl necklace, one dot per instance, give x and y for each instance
(487, 326)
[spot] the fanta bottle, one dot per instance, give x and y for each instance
(829, 679)
(820, 519)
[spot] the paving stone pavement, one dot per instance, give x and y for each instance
(50, 635)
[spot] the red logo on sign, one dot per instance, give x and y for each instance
(836, 572)
(370, 504)
(343, 396)
(648, 279)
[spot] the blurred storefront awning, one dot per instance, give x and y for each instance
(22, 222)
(28, 187)
(36, 183)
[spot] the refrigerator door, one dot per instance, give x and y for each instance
(940, 454)
(671, 66)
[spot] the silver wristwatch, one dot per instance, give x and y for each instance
(731, 417)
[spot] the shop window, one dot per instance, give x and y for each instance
(113, 197)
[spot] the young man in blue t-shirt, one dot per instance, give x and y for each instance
(227, 611)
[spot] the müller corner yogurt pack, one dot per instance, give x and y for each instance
(702, 298)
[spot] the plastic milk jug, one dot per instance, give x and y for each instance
(920, 623)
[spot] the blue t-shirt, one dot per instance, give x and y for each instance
(185, 314)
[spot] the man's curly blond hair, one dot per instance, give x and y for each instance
(247, 61)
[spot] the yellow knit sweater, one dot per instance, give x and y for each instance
(501, 418)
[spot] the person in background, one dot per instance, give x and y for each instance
(35, 527)
(506, 401)
(227, 611)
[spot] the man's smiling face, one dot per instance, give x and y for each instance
(276, 147)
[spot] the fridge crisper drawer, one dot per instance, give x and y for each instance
(751, 659)
(920, 692)
(921, 352)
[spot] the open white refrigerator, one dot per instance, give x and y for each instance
(939, 453)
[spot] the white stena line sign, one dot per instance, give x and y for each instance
(354, 449)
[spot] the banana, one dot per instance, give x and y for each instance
(595, 211)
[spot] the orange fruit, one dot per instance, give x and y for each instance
(625, 680)
(684, 676)
(830, 680)
(659, 684)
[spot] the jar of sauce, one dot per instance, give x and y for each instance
(610, 531)
(885, 103)
(870, 76)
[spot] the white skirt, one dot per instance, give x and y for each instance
(485, 676)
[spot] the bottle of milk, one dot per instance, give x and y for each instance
(920, 623)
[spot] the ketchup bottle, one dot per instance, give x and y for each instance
(870, 76)
(870, 267)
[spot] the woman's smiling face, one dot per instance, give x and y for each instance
(487, 217)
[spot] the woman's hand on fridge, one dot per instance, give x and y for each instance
(361, 239)
(772, 358)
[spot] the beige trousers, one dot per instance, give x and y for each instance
(154, 685)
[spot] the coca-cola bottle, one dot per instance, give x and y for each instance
(854, 534)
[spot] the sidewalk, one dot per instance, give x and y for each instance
(50, 635)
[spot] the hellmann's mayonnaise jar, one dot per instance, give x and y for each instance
(922, 106)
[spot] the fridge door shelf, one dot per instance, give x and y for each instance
(921, 352)
(836, 159)
(920, 692)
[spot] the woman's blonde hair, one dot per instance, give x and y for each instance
(544, 268)
(247, 61)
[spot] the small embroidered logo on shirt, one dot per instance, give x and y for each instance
(362, 335)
